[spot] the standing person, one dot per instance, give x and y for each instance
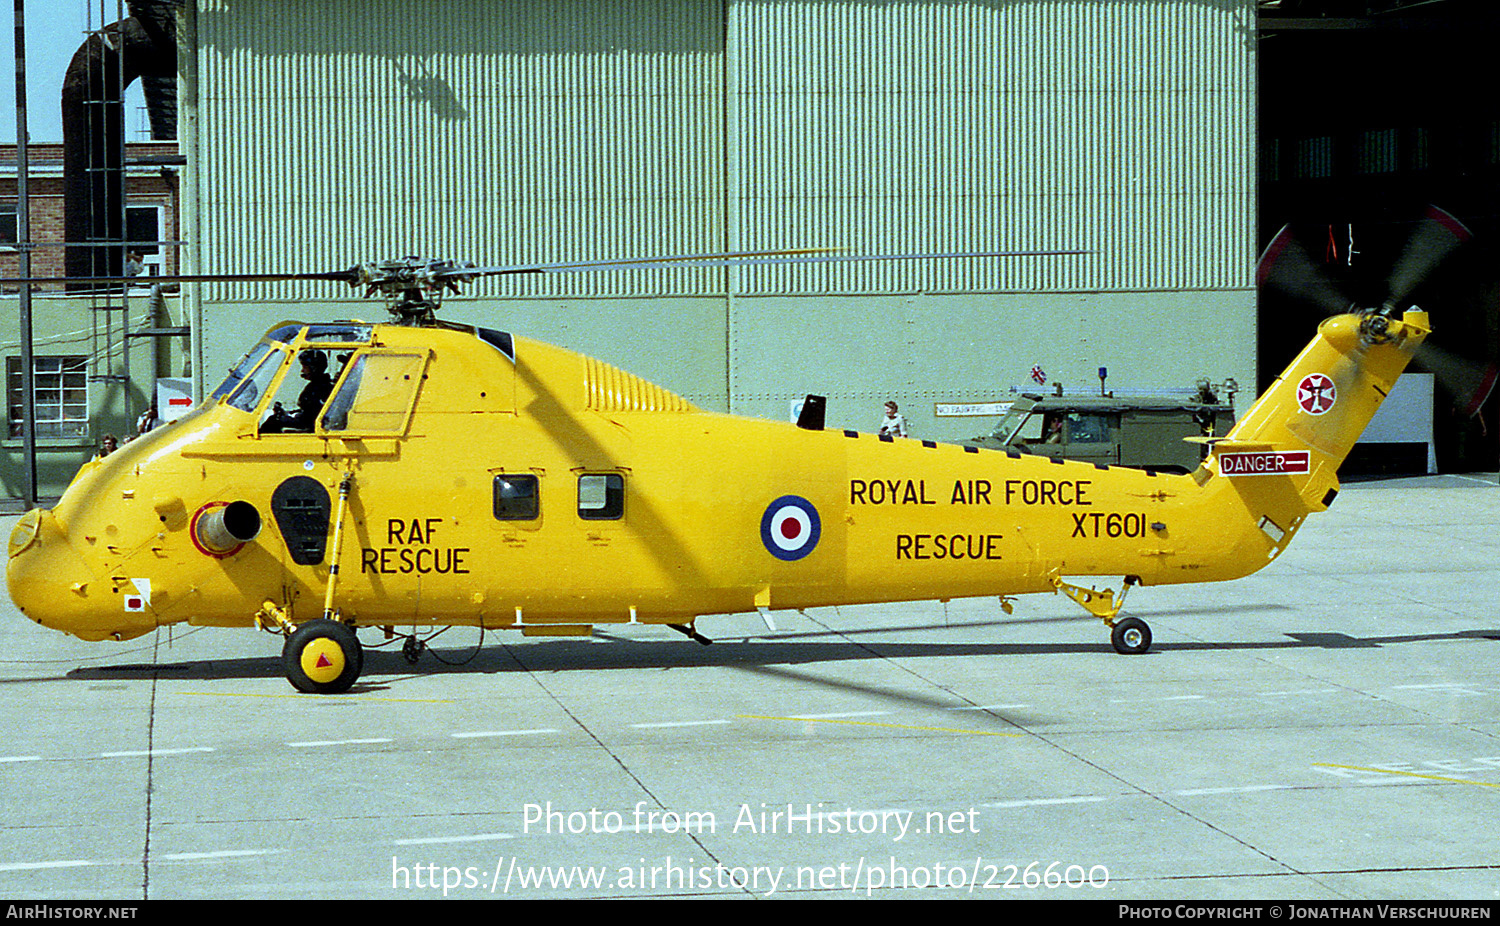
(893, 424)
(147, 421)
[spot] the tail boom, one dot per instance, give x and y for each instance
(1280, 462)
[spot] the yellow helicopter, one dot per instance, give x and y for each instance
(434, 474)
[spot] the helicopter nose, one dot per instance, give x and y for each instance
(54, 586)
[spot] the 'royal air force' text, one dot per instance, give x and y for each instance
(1070, 494)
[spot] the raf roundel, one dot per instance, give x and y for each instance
(790, 528)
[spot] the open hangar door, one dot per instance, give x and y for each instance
(1371, 112)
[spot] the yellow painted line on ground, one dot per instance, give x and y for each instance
(870, 723)
(245, 694)
(1388, 771)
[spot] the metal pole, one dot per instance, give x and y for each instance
(189, 259)
(23, 245)
(124, 213)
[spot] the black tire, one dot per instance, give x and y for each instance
(1130, 636)
(323, 657)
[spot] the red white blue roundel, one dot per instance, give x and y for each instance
(790, 528)
(1316, 393)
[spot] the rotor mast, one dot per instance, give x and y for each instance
(412, 287)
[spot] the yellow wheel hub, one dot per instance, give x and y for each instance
(323, 660)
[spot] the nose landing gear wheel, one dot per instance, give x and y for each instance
(1130, 636)
(323, 657)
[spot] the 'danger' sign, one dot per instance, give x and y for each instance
(1269, 463)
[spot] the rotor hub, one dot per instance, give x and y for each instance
(1375, 327)
(413, 287)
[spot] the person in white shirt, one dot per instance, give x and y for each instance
(893, 424)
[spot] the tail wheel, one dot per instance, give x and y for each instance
(323, 657)
(1130, 636)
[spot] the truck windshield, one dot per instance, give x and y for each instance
(1013, 422)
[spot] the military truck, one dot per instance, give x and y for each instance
(1148, 432)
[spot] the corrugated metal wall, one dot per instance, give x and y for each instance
(1118, 127)
(531, 131)
(336, 131)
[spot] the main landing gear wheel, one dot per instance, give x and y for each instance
(323, 657)
(1130, 636)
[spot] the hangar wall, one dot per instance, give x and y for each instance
(322, 132)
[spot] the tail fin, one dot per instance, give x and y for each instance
(1306, 423)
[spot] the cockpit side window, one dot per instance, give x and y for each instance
(377, 394)
(336, 416)
(301, 396)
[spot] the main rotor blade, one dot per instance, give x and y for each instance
(141, 279)
(735, 259)
(1286, 266)
(445, 271)
(1437, 235)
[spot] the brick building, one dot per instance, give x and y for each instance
(98, 355)
(151, 211)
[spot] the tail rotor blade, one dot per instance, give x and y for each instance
(1470, 382)
(1286, 267)
(1437, 235)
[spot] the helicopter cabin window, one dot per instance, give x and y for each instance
(601, 497)
(377, 393)
(516, 497)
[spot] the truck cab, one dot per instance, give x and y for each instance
(1146, 432)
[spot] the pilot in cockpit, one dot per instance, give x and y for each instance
(309, 403)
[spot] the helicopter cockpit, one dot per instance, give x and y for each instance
(264, 383)
(348, 379)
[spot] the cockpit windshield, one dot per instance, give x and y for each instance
(240, 370)
(248, 393)
(330, 333)
(1009, 424)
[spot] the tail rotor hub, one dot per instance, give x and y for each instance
(1375, 327)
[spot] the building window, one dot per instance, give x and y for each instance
(601, 497)
(143, 224)
(1315, 158)
(516, 498)
(1378, 152)
(61, 390)
(143, 227)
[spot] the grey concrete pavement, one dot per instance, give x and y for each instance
(1325, 729)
